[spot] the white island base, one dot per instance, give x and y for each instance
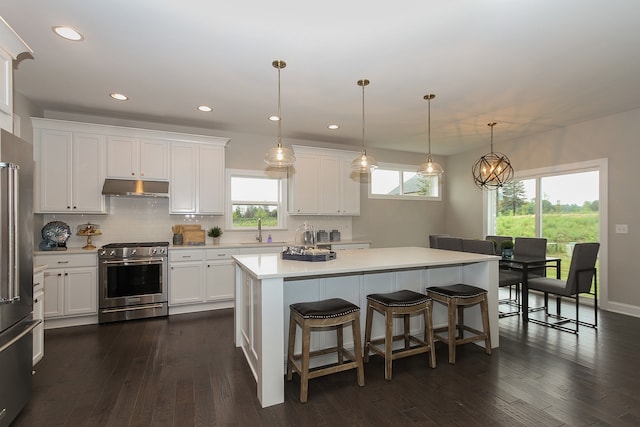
(266, 285)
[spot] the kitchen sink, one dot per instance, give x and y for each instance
(264, 243)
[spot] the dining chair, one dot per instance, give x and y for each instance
(433, 239)
(582, 279)
(499, 240)
(450, 243)
(529, 247)
(507, 278)
(478, 246)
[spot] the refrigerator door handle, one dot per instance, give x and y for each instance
(25, 329)
(13, 282)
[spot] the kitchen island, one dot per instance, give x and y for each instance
(266, 285)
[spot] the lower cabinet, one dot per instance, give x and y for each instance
(201, 276)
(70, 285)
(38, 314)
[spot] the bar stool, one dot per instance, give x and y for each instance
(401, 303)
(330, 313)
(457, 298)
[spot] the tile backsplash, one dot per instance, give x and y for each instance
(133, 219)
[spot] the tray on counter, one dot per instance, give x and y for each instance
(319, 257)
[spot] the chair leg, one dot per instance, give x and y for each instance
(484, 309)
(428, 334)
(304, 375)
(388, 344)
(340, 343)
(452, 332)
(367, 332)
(407, 329)
(291, 348)
(357, 345)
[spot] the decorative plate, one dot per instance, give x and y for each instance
(56, 232)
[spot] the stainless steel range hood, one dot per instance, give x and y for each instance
(135, 188)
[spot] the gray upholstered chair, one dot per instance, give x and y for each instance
(582, 275)
(450, 243)
(508, 278)
(499, 240)
(478, 246)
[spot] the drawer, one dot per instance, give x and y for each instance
(186, 255)
(67, 260)
(220, 254)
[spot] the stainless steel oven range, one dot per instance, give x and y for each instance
(132, 281)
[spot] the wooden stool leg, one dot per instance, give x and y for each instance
(460, 324)
(388, 343)
(357, 345)
(407, 328)
(367, 331)
(304, 375)
(291, 347)
(340, 343)
(484, 311)
(428, 334)
(452, 331)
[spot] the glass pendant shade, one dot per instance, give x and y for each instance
(363, 163)
(493, 170)
(279, 156)
(429, 168)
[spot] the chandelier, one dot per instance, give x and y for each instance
(492, 170)
(279, 156)
(429, 168)
(363, 163)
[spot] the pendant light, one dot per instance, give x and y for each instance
(279, 156)
(363, 163)
(492, 170)
(429, 168)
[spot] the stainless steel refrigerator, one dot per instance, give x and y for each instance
(16, 271)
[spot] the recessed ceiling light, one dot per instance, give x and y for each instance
(68, 33)
(119, 96)
(274, 118)
(333, 127)
(205, 108)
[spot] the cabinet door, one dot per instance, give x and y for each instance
(330, 179)
(211, 180)
(6, 91)
(122, 157)
(350, 189)
(88, 173)
(55, 161)
(38, 332)
(154, 159)
(80, 291)
(182, 185)
(220, 280)
(53, 293)
(185, 283)
(304, 197)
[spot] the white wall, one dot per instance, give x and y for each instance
(615, 138)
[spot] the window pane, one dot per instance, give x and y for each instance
(254, 189)
(516, 209)
(385, 181)
(247, 215)
(416, 185)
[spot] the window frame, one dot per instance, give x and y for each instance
(264, 174)
(397, 167)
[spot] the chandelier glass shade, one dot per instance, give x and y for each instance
(279, 156)
(363, 163)
(429, 168)
(493, 170)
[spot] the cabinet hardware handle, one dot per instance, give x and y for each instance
(36, 284)
(186, 256)
(36, 300)
(63, 262)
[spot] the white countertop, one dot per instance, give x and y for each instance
(264, 266)
(237, 245)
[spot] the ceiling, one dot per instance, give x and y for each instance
(530, 65)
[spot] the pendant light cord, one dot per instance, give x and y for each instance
(279, 111)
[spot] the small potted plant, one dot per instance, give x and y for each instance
(507, 249)
(215, 232)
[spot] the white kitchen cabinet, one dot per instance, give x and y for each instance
(70, 284)
(322, 183)
(38, 314)
(185, 280)
(11, 45)
(219, 275)
(197, 178)
(137, 158)
(70, 171)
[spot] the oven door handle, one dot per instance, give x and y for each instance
(135, 261)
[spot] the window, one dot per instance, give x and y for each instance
(402, 182)
(253, 195)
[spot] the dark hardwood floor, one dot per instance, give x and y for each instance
(185, 371)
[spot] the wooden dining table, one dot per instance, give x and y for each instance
(524, 264)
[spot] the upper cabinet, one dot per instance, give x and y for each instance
(137, 158)
(197, 177)
(322, 183)
(11, 45)
(70, 169)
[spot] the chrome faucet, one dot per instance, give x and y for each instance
(259, 236)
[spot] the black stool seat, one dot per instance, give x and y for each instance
(458, 290)
(326, 309)
(404, 298)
